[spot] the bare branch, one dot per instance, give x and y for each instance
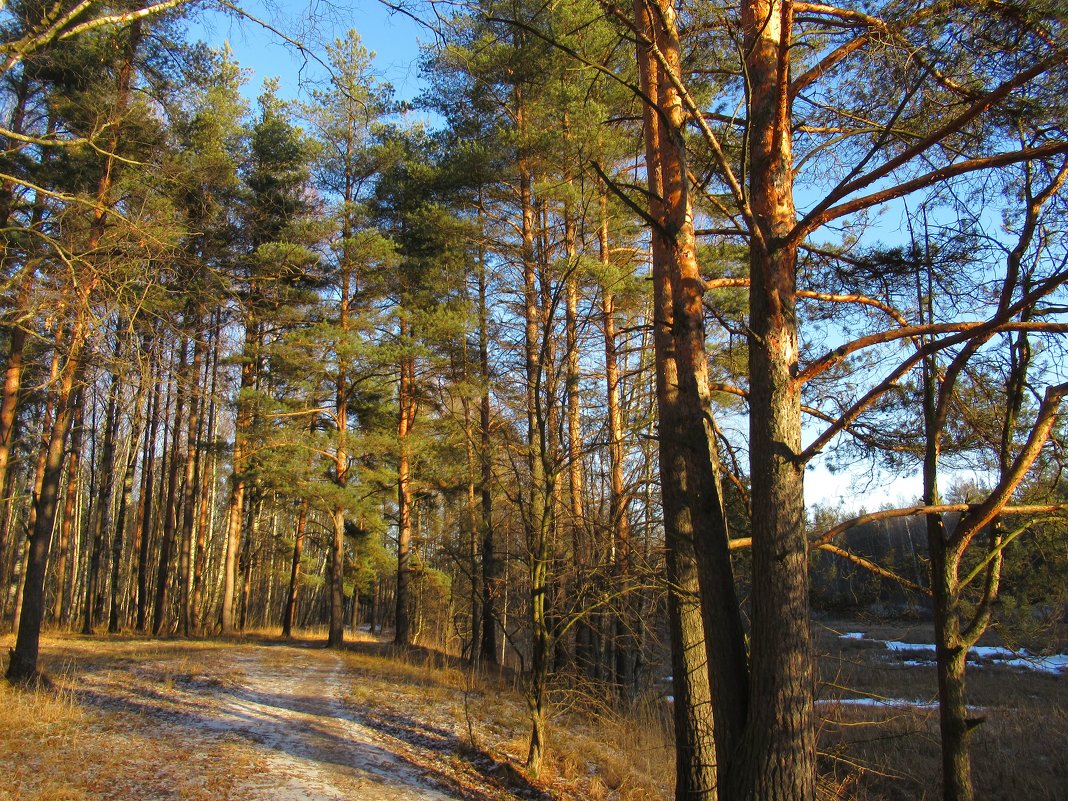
(938, 509)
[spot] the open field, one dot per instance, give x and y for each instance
(879, 732)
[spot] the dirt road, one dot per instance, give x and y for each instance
(280, 712)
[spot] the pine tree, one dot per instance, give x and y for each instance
(275, 269)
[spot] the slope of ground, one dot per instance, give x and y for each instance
(259, 720)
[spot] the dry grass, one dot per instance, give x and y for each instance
(57, 746)
(628, 755)
(594, 752)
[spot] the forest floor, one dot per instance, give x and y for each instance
(249, 720)
(256, 719)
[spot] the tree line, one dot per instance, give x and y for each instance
(539, 383)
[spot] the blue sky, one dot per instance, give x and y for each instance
(393, 37)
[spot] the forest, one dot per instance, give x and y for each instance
(530, 371)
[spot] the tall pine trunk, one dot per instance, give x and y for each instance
(689, 470)
(777, 758)
(406, 418)
(192, 489)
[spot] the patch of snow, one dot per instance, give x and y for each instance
(897, 645)
(886, 703)
(893, 703)
(991, 652)
(980, 655)
(1055, 664)
(852, 635)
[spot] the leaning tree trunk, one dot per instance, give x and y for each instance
(695, 761)
(23, 664)
(693, 508)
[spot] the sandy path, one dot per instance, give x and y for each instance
(283, 706)
(312, 745)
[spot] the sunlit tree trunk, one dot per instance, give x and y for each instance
(693, 511)
(406, 417)
(777, 759)
(13, 377)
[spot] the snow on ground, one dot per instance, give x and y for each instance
(978, 655)
(288, 716)
(311, 741)
(883, 703)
